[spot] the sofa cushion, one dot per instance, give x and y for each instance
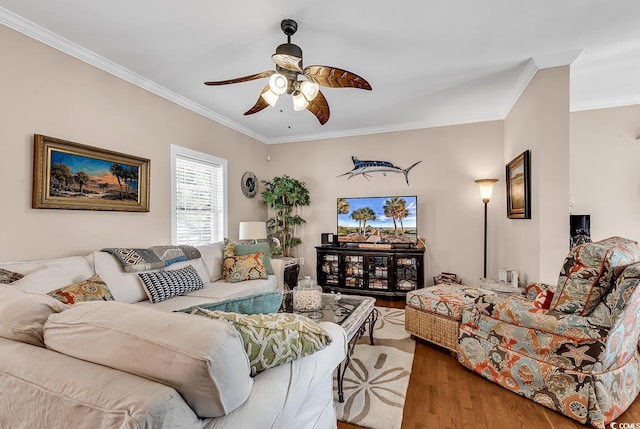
(273, 339)
(202, 359)
(7, 276)
(245, 267)
(589, 272)
(246, 249)
(91, 289)
(44, 280)
(269, 302)
(163, 285)
(211, 255)
(22, 314)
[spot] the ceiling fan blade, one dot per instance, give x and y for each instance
(319, 107)
(260, 104)
(288, 62)
(242, 79)
(335, 78)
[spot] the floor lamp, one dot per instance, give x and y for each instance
(486, 187)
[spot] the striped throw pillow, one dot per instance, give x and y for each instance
(162, 285)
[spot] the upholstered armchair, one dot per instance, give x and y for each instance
(579, 356)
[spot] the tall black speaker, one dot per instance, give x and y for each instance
(579, 229)
(328, 239)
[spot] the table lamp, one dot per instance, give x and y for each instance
(253, 231)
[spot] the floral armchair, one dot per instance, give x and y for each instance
(580, 355)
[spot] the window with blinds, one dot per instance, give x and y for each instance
(199, 198)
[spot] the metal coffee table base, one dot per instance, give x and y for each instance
(371, 320)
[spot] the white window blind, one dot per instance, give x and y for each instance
(199, 200)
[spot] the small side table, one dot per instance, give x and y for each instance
(291, 271)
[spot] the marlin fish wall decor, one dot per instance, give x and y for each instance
(384, 167)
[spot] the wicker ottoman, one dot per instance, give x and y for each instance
(434, 313)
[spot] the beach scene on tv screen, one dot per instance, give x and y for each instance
(377, 220)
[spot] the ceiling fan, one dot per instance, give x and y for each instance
(305, 92)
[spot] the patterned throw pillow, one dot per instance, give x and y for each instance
(7, 276)
(273, 339)
(229, 248)
(246, 267)
(246, 249)
(543, 300)
(162, 285)
(91, 289)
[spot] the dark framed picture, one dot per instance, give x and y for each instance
(519, 187)
(68, 175)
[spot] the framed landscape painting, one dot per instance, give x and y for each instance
(519, 187)
(68, 175)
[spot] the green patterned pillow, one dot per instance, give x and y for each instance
(273, 339)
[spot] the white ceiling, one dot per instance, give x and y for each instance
(429, 62)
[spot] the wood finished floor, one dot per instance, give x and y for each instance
(444, 394)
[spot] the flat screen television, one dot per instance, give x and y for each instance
(390, 220)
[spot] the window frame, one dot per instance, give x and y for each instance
(183, 152)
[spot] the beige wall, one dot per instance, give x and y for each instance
(47, 92)
(605, 177)
(539, 121)
(450, 209)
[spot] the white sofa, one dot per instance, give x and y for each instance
(40, 387)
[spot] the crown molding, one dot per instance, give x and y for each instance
(28, 28)
(558, 59)
(409, 126)
(528, 72)
(606, 104)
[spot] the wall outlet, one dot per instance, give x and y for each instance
(301, 261)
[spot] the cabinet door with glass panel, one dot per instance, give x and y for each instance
(354, 271)
(329, 269)
(408, 273)
(378, 271)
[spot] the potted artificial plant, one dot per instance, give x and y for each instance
(284, 196)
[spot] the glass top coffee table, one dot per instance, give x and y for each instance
(353, 313)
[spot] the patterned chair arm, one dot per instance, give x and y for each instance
(532, 290)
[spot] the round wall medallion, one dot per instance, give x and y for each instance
(249, 184)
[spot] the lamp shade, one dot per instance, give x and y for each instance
(486, 188)
(299, 102)
(252, 231)
(270, 97)
(309, 89)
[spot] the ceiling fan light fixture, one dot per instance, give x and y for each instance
(278, 83)
(288, 56)
(299, 101)
(270, 97)
(309, 89)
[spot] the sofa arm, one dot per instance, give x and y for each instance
(532, 290)
(278, 269)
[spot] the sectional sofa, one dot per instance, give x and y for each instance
(131, 363)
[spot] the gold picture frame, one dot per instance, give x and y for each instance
(519, 187)
(74, 176)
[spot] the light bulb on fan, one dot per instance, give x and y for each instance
(278, 83)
